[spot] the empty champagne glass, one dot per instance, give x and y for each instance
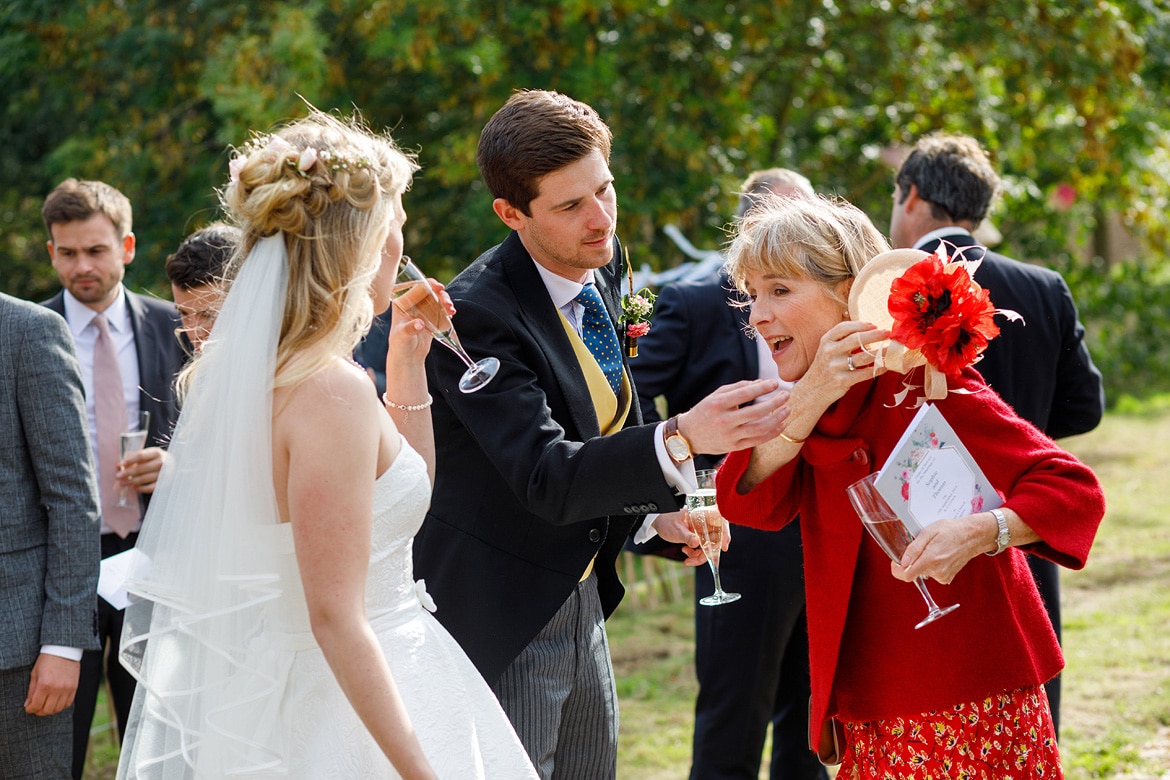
(415, 297)
(133, 441)
(707, 522)
(891, 534)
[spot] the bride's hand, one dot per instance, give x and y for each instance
(410, 339)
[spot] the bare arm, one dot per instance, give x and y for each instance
(329, 501)
(406, 379)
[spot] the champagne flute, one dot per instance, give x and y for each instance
(707, 522)
(891, 534)
(133, 441)
(414, 297)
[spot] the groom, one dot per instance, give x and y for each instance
(542, 474)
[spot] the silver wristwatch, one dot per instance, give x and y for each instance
(1003, 539)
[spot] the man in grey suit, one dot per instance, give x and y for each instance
(48, 540)
(129, 358)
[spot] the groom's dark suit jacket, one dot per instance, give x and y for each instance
(527, 491)
(160, 357)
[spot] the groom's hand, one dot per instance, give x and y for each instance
(727, 420)
(675, 527)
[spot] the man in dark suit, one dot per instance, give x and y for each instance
(1040, 366)
(701, 340)
(127, 340)
(541, 474)
(48, 540)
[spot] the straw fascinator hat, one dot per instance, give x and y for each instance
(937, 314)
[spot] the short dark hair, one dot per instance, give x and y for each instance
(953, 174)
(76, 200)
(534, 134)
(203, 256)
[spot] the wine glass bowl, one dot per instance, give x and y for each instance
(413, 295)
(706, 521)
(132, 441)
(891, 534)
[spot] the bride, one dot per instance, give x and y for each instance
(276, 628)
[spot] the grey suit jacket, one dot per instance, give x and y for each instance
(49, 546)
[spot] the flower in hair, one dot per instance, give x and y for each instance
(306, 161)
(939, 310)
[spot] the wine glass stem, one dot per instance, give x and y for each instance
(715, 574)
(459, 353)
(921, 585)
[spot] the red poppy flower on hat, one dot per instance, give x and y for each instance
(940, 311)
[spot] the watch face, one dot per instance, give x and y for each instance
(677, 447)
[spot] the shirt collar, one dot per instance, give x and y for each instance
(562, 291)
(79, 316)
(940, 233)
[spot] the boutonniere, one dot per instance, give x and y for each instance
(637, 308)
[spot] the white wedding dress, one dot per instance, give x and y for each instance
(463, 731)
(231, 682)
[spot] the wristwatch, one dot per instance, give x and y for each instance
(1003, 539)
(677, 447)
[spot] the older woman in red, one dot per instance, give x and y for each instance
(963, 696)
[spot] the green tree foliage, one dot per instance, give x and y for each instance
(150, 95)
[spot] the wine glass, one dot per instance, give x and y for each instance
(890, 533)
(133, 441)
(706, 520)
(415, 297)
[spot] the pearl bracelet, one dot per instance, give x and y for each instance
(408, 407)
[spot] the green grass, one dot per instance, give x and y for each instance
(1116, 710)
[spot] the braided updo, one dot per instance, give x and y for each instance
(329, 186)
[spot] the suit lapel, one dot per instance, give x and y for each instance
(538, 313)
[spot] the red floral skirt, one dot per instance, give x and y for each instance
(1008, 735)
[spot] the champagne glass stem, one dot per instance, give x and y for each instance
(459, 353)
(921, 585)
(715, 574)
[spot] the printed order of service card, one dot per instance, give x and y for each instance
(931, 475)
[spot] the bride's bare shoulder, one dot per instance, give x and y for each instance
(340, 394)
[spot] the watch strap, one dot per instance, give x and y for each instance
(1003, 538)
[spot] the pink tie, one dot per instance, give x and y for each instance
(109, 406)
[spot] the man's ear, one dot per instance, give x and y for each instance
(509, 214)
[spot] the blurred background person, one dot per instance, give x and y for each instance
(1040, 366)
(700, 340)
(196, 272)
(129, 359)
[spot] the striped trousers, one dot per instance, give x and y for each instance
(560, 693)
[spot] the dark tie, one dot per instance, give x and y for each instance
(598, 334)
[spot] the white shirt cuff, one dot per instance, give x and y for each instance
(680, 476)
(70, 653)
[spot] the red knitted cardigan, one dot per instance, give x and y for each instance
(867, 660)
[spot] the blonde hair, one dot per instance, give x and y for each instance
(329, 186)
(826, 241)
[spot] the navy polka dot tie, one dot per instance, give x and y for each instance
(598, 334)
